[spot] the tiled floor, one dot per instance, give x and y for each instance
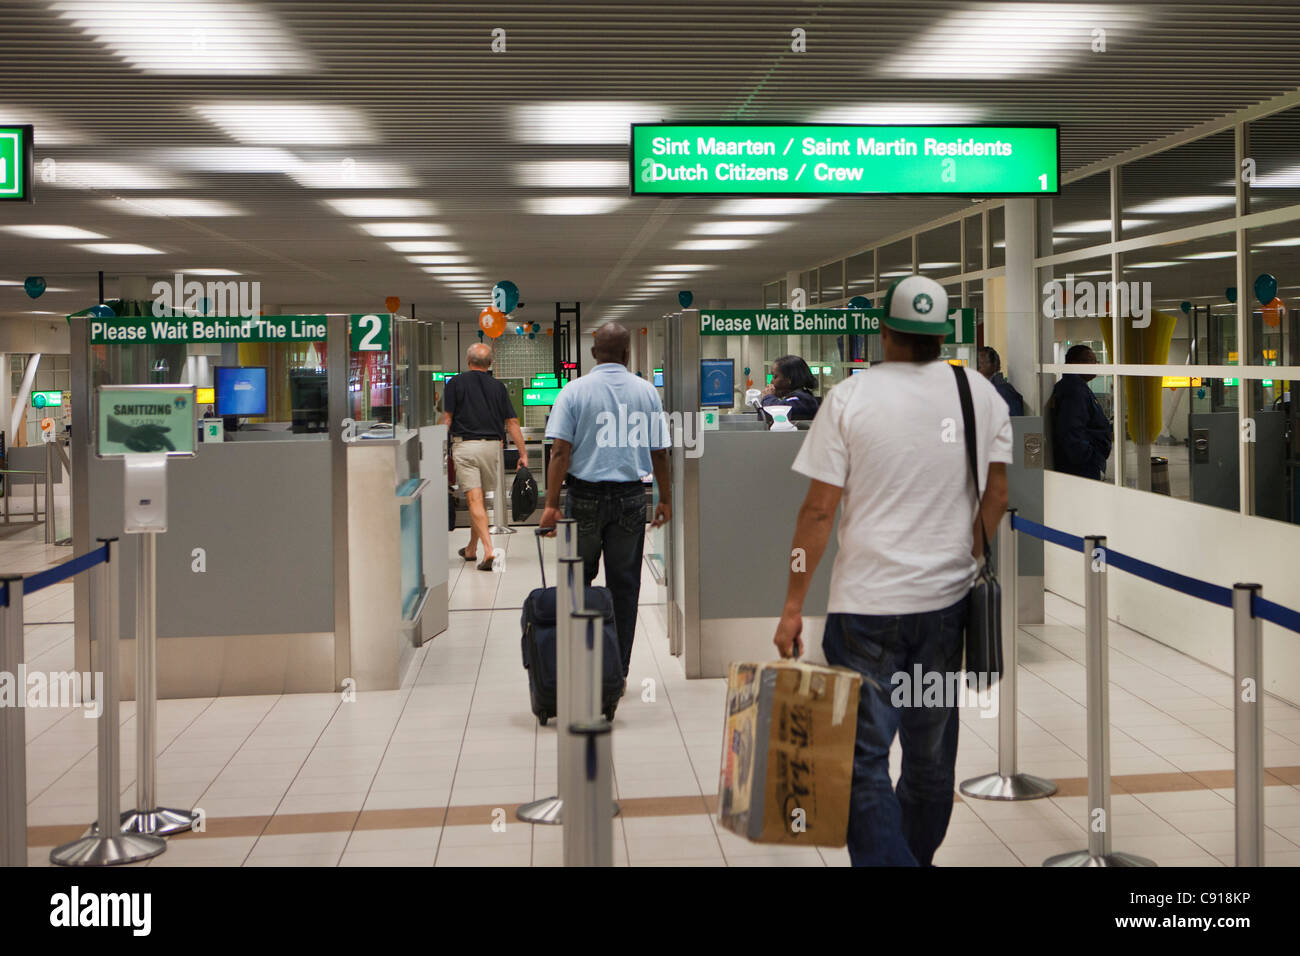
(418, 776)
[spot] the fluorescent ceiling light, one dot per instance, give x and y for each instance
(1098, 225)
(52, 232)
(1152, 265)
(179, 208)
(79, 174)
(897, 274)
(581, 121)
(1185, 204)
(231, 159)
(348, 173)
(286, 122)
(889, 114)
(119, 248)
(768, 207)
(938, 265)
(715, 245)
(1226, 254)
(438, 260)
(385, 229)
(573, 205)
(189, 36)
(381, 208)
(1008, 39)
(1274, 243)
(740, 227)
(47, 132)
(209, 272)
(454, 271)
(424, 245)
(573, 174)
(687, 267)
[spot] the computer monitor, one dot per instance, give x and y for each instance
(718, 382)
(241, 391)
(659, 378)
(309, 398)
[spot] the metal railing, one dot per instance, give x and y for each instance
(1249, 609)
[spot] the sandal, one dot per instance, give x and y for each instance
(486, 563)
(467, 557)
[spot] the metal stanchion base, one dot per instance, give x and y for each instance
(1085, 858)
(547, 811)
(994, 786)
(496, 529)
(159, 821)
(108, 850)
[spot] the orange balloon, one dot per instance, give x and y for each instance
(492, 322)
(393, 303)
(1273, 313)
(47, 424)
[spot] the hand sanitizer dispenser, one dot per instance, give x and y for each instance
(145, 503)
(780, 418)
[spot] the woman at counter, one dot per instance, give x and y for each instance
(792, 385)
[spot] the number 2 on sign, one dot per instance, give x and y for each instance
(368, 343)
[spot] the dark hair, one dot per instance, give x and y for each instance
(991, 356)
(923, 348)
(1078, 354)
(796, 372)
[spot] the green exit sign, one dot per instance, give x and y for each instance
(841, 160)
(15, 163)
(540, 396)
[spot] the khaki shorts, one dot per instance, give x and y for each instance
(476, 463)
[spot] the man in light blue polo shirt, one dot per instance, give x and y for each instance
(609, 430)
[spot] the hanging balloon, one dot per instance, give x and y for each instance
(532, 335)
(1230, 293)
(1273, 313)
(1265, 288)
(492, 322)
(644, 330)
(550, 332)
(1186, 307)
(505, 296)
(859, 302)
(537, 327)
(393, 303)
(685, 298)
(480, 335)
(34, 286)
(101, 311)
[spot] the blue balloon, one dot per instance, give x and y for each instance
(1186, 307)
(859, 302)
(34, 286)
(505, 296)
(685, 298)
(101, 311)
(1265, 288)
(1231, 293)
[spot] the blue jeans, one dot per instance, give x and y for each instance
(611, 519)
(903, 827)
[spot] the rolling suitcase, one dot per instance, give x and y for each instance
(539, 651)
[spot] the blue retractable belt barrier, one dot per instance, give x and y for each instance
(1036, 530)
(1214, 593)
(65, 570)
(4, 594)
(1276, 613)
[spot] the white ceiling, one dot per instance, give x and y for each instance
(264, 111)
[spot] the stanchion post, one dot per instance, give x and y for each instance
(1007, 783)
(106, 845)
(1097, 665)
(500, 506)
(49, 492)
(13, 729)
(588, 826)
(1248, 726)
(148, 817)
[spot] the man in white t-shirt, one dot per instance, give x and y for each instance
(889, 445)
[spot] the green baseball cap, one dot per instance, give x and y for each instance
(919, 305)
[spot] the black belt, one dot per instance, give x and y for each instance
(603, 485)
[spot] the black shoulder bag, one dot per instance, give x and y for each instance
(984, 605)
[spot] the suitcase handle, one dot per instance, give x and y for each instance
(541, 563)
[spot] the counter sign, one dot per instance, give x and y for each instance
(15, 163)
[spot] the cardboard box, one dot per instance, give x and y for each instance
(787, 752)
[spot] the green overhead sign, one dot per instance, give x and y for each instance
(817, 322)
(46, 399)
(540, 396)
(840, 160)
(367, 333)
(15, 163)
(145, 419)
